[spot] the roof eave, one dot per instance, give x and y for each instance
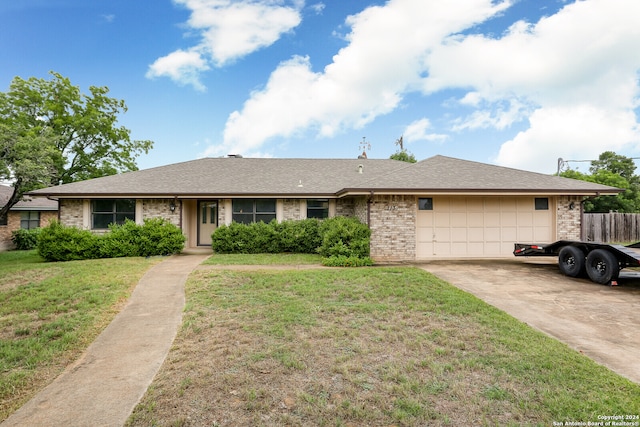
(475, 192)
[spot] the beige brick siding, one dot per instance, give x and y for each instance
(13, 223)
(345, 207)
(71, 212)
(569, 220)
(393, 227)
(160, 208)
(291, 209)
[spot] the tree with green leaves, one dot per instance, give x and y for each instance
(51, 133)
(616, 171)
(402, 154)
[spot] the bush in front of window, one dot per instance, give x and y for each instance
(58, 242)
(25, 239)
(289, 236)
(155, 237)
(341, 241)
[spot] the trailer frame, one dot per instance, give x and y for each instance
(601, 262)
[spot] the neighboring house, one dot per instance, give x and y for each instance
(439, 207)
(29, 213)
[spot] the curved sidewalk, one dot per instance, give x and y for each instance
(107, 382)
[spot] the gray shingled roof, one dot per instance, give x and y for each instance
(211, 177)
(37, 204)
(446, 174)
(234, 176)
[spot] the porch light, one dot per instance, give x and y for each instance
(172, 207)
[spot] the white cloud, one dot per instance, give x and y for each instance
(229, 30)
(574, 73)
(572, 77)
(383, 60)
(317, 8)
(571, 132)
(417, 131)
(183, 67)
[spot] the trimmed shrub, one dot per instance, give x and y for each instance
(301, 236)
(342, 236)
(121, 241)
(154, 237)
(25, 239)
(158, 236)
(57, 242)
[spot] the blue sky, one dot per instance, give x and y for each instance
(512, 83)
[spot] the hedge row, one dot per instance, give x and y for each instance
(157, 236)
(335, 237)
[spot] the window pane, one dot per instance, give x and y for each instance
(265, 205)
(213, 217)
(265, 217)
(317, 203)
(242, 205)
(243, 218)
(103, 206)
(3, 220)
(122, 217)
(101, 221)
(425, 204)
(542, 204)
(203, 214)
(125, 205)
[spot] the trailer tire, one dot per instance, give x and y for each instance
(602, 266)
(571, 261)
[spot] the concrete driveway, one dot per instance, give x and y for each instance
(602, 322)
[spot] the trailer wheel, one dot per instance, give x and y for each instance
(571, 261)
(602, 266)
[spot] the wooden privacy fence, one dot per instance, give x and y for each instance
(611, 227)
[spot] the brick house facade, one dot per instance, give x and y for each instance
(440, 207)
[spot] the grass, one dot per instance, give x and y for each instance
(367, 346)
(262, 259)
(50, 312)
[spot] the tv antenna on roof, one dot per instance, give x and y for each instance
(364, 145)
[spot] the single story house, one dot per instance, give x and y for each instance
(27, 214)
(440, 207)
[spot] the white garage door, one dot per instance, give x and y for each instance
(481, 226)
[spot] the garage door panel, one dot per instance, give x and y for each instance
(458, 219)
(458, 234)
(476, 234)
(481, 226)
(476, 219)
(442, 219)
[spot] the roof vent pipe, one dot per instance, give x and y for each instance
(237, 156)
(360, 168)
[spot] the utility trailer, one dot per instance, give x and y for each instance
(601, 262)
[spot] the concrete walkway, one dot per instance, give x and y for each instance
(107, 382)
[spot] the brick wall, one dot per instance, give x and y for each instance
(393, 228)
(568, 220)
(291, 209)
(345, 207)
(160, 208)
(71, 212)
(13, 223)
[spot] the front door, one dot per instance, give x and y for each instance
(207, 220)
